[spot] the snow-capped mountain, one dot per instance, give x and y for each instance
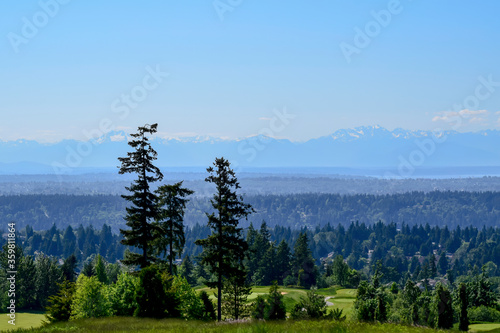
(360, 147)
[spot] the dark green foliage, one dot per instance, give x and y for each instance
(48, 275)
(463, 303)
(59, 308)
(371, 302)
(481, 292)
(340, 271)
(225, 249)
(443, 307)
(283, 261)
(313, 306)
(275, 308)
(208, 306)
(112, 272)
(100, 270)
(26, 283)
(303, 262)
(69, 268)
(259, 307)
(150, 295)
(337, 315)
(88, 269)
(262, 257)
(442, 265)
(143, 209)
(186, 270)
(432, 266)
(170, 234)
(234, 297)
(411, 293)
(394, 288)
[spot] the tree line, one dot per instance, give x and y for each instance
(437, 208)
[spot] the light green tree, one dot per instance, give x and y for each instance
(90, 299)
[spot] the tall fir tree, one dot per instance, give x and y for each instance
(186, 270)
(69, 268)
(443, 307)
(100, 270)
(235, 295)
(303, 262)
(171, 206)
(283, 260)
(224, 249)
(143, 209)
(464, 302)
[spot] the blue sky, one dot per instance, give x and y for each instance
(231, 69)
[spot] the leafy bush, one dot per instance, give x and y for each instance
(123, 293)
(190, 305)
(91, 299)
(313, 306)
(484, 313)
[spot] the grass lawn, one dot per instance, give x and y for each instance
(342, 298)
(489, 327)
(23, 320)
(131, 324)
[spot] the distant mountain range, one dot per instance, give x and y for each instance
(362, 147)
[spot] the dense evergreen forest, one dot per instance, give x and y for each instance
(403, 249)
(436, 208)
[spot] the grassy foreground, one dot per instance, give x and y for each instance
(131, 324)
(23, 320)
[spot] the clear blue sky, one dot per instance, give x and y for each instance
(227, 77)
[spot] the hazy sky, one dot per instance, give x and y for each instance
(294, 69)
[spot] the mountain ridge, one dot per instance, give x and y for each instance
(359, 147)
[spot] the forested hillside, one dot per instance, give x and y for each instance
(450, 209)
(359, 243)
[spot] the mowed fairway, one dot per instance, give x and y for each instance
(490, 327)
(342, 299)
(23, 320)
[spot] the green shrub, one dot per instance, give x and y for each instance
(259, 308)
(122, 294)
(208, 307)
(59, 308)
(90, 299)
(275, 308)
(484, 313)
(150, 295)
(313, 306)
(190, 305)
